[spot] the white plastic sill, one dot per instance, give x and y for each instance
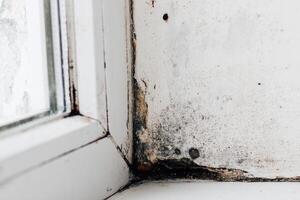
(24, 151)
(209, 190)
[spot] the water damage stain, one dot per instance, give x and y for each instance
(153, 3)
(143, 154)
(163, 147)
(188, 169)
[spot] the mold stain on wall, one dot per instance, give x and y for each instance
(144, 156)
(215, 92)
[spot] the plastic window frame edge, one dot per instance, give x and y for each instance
(26, 143)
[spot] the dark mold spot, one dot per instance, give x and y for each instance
(158, 146)
(258, 83)
(194, 153)
(186, 168)
(177, 151)
(240, 161)
(166, 17)
(153, 3)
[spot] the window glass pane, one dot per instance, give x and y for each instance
(24, 86)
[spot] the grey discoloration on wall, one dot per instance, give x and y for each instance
(220, 88)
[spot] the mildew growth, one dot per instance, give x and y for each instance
(217, 95)
(164, 149)
(158, 149)
(186, 168)
(144, 156)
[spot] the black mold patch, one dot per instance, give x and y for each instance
(165, 138)
(165, 17)
(187, 169)
(194, 153)
(177, 151)
(141, 159)
(153, 3)
(158, 146)
(175, 125)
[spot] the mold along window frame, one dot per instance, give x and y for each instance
(78, 118)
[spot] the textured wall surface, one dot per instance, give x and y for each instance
(217, 82)
(23, 67)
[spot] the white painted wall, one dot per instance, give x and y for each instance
(222, 77)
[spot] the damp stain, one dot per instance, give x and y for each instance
(144, 156)
(152, 3)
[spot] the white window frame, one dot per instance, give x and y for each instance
(36, 150)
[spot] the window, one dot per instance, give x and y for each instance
(32, 73)
(57, 133)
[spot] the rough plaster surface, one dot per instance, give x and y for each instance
(221, 77)
(23, 79)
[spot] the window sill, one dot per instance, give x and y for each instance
(25, 151)
(210, 190)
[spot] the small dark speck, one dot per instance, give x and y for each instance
(165, 17)
(240, 161)
(177, 151)
(258, 83)
(153, 3)
(194, 153)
